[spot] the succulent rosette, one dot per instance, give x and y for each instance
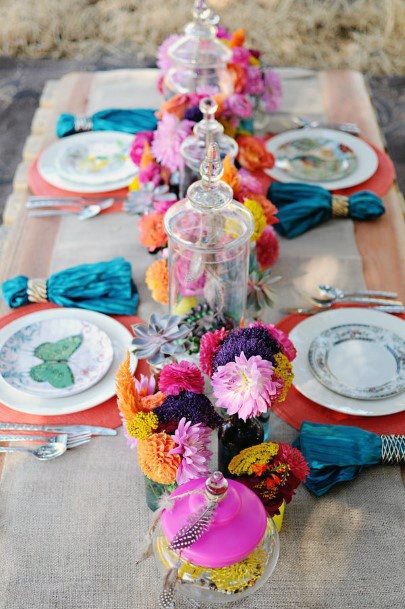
(250, 368)
(169, 425)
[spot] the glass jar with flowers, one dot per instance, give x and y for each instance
(250, 369)
(169, 427)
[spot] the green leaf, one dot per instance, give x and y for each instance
(59, 351)
(58, 375)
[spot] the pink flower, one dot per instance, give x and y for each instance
(162, 58)
(183, 376)
(188, 286)
(239, 105)
(273, 92)
(267, 248)
(248, 183)
(287, 347)
(241, 56)
(223, 33)
(170, 134)
(163, 205)
(145, 385)
(245, 386)
(209, 346)
(138, 145)
(192, 441)
(254, 83)
(152, 173)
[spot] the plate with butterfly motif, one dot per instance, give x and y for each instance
(56, 358)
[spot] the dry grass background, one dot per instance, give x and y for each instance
(365, 35)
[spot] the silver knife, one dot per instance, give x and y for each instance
(314, 310)
(95, 431)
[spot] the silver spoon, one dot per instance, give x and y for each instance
(54, 447)
(84, 214)
(337, 294)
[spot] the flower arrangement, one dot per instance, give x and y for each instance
(170, 427)
(271, 470)
(250, 368)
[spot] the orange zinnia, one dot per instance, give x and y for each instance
(253, 154)
(238, 38)
(152, 232)
(230, 175)
(176, 105)
(150, 402)
(157, 280)
(154, 459)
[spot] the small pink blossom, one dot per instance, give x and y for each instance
(245, 386)
(163, 60)
(182, 376)
(241, 56)
(273, 92)
(145, 385)
(162, 205)
(239, 105)
(267, 248)
(254, 82)
(138, 145)
(248, 183)
(192, 442)
(170, 134)
(209, 346)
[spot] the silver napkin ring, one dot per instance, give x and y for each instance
(83, 123)
(392, 449)
(37, 291)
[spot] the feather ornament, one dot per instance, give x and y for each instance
(197, 524)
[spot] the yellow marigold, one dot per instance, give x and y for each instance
(230, 175)
(284, 370)
(154, 459)
(243, 463)
(128, 399)
(142, 426)
(157, 280)
(258, 217)
(150, 402)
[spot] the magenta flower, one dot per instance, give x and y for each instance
(145, 385)
(151, 174)
(182, 376)
(241, 56)
(254, 82)
(267, 248)
(170, 134)
(209, 346)
(248, 183)
(162, 58)
(138, 145)
(238, 104)
(192, 441)
(188, 286)
(245, 386)
(273, 92)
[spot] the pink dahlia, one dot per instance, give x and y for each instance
(273, 92)
(145, 385)
(192, 442)
(209, 347)
(170, 134)
(163, 60)
(267, 248)
(183, 376)
(254, 83)
(239, 105)
(245, 386)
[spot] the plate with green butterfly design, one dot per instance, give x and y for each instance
(55, 358)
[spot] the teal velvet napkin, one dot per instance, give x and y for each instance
(303, 206)
(128, 121)
(338, 453)
(106, 287)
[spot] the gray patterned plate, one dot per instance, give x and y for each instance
(359, 361)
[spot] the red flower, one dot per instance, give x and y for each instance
(183, 376)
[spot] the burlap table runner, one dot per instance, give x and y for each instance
(71, 529)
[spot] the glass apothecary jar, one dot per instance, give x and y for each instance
(199, 58)
(194, 148)
(233, 557)
(209, 235)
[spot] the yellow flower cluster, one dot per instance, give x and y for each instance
(283, 369)
(242, 464)
(259, 218)
(142, 426)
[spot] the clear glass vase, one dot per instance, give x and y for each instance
(155, 490)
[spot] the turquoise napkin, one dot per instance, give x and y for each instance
(129, 121)
(106, 287)
(338, 453)
(302, 206)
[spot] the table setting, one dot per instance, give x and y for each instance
(205, 344)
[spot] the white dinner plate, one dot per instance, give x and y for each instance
(379, 356)
(360, 160)
(306, 383)
(56, 357)
(120, 338)
(89, 162)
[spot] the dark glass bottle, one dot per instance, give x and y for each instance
(234, 435)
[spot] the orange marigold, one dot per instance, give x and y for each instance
(157, 280)
(128, 399)
(151, 231)
(238, 38)
(253, 154)
(154, 459)
(230, 175)
(150, 402)
(175, 105)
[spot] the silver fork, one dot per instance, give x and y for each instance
(305, 123)
(54, 445)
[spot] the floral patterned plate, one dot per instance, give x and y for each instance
(56, 358)
(359, 361)
(89, 162)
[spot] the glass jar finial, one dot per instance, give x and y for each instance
(210, 191)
